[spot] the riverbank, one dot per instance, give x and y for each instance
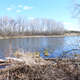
(67, 34)
(37, 68)
(30, 66)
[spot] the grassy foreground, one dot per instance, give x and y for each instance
(30, 66)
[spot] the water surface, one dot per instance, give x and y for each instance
(55, 44)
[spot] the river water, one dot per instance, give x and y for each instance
(55, 45)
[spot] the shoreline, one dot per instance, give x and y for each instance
(65, 35)
(28, 68)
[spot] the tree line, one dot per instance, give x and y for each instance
(22, 26)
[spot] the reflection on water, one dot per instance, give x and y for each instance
(56, 44)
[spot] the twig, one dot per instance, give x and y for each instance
(61, 56)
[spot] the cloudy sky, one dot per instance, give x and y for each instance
(57, 10)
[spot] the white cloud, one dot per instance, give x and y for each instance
(9, 9)
(26, 7)
(18, 10)
(19, 5)
(12, 5)
(30, 18)
(66, 23)
(31, 7)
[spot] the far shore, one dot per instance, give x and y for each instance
(67, 34)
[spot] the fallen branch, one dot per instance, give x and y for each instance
(11, 69)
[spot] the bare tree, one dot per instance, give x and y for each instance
(5, 22)
(19, 22)
(32, 28)
(1, 23)
(48, 26)
(11, 23)
(75, 9)
(23, 26)
(14, 26)
(53, 26)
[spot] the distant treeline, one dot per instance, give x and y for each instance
(22, 26)
(71, 31)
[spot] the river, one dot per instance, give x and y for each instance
(53, 44)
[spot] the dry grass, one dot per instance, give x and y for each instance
(30, 67)
(66, 34)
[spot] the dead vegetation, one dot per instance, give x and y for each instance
(30, 67)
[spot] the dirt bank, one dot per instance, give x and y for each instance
(67, 34)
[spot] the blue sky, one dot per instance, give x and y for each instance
(51, 9)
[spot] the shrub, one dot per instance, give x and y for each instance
(46, 53)
(17, 54)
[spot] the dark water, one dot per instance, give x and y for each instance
(55, 44)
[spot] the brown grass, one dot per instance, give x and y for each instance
(62, 69)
